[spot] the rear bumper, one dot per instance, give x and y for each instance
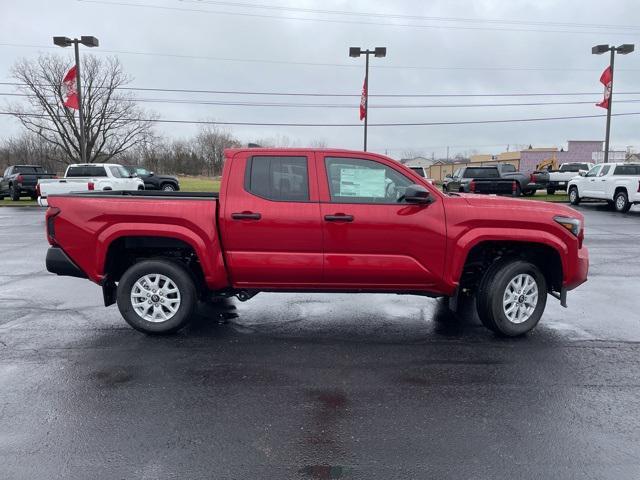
(59, 263)
(559, 184)
(578, 275)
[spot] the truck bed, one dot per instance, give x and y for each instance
(145, 194)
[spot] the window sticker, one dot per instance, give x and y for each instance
(362, 182)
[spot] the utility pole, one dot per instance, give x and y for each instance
(87, 41)
(599, 50)
(378, 52)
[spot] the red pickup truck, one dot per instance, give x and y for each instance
(321, 221)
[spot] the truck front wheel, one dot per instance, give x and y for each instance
(156, 296)
(511, 297)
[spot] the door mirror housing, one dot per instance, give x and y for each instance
(417, 194)
(582, 173)
(448, 175)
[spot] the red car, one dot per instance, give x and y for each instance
(317, 221)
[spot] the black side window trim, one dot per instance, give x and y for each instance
(247, 179)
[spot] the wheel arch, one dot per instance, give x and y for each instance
(544, 251)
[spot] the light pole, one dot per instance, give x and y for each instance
(87, 41)
(622, 50)
(355, 52)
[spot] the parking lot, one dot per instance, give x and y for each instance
(318, 386)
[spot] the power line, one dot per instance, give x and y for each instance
(292, 124)
(409, 17)
(336, 105)
(314, 94)
(348, 22)
(328, 64)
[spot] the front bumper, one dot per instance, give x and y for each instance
(578, 275)
(59, 263)
(558, 185)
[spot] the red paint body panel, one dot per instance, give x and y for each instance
(387, 247)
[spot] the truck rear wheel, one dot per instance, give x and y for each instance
(156, 296)
(622, 204)
(14, 193)
(511, 297)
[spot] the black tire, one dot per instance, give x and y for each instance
(168, 187)
(140, 187)
(529, 193)
(574, 197)
(14, 194)
(518, 191)
(551, 191)
(445, 189)
(489, 298)
(621, 202)
(179, 275)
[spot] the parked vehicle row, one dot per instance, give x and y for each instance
(82, 177)
(616, 183)
(316, 220)
(18, 180)
(153, 181)
(495, 179)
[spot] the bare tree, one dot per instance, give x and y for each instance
(113, 121)
(210, 144)
(28, 148)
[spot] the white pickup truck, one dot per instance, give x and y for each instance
(559, 179)
(617, 183)
(81, 177)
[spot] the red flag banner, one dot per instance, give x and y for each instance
(605, 79)
(363, 100)
(69, 88)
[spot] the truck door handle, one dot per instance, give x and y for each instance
(339, 217)
(246, 216)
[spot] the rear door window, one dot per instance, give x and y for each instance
(278, 178)
(627, 170)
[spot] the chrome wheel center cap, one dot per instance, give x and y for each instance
(155, 298)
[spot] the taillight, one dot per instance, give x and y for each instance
(532, 178)
(638, 186)
(52, 213)
(91, 186)
(472, 186)
(19, 179)
(38, 190)
(514, 187)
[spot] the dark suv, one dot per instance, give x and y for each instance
(153, 181)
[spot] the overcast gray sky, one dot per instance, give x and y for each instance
(435, 47)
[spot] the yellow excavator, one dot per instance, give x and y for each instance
(548, 164)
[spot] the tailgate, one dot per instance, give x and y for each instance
(497, 186)
(54, 187)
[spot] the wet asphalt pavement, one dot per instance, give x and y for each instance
(318, 386)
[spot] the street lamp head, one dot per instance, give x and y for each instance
(380, 52)
(88, 41)
(62, 41)
(354, 52)
(600, 49)
(625, 48)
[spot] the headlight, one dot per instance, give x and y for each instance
(572, 224)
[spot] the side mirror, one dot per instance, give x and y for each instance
(582, 173)
(417, 194)
(151, 174)
(448, 175)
